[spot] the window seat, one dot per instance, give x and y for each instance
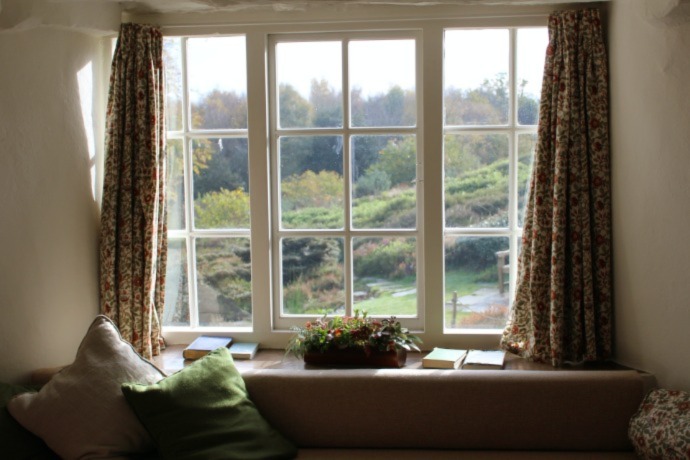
(579, 411)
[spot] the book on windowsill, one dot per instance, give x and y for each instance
(484, 359)
(444, 358)
(244, 350)
(202, 345)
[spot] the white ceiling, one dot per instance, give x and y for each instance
(178, 6)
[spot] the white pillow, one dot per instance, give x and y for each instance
(81, 412)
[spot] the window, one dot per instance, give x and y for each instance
(388, 170)
(344, 155)
(208, 280)
(491, 100)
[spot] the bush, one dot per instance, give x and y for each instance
(385, 258)
(473, 252)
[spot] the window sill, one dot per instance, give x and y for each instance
(170, 360)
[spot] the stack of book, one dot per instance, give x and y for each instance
(204, 344)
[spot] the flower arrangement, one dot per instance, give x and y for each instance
(351, 333)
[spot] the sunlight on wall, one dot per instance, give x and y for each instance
(85, 81)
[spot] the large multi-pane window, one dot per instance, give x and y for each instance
(344, 151)
(491, 102)
(329, 130)
(208, 281)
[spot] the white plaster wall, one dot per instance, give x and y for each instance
(650, 127)
(48, 216)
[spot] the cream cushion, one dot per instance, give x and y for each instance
(81, 412)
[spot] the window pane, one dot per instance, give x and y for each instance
(384, 171)
(313, 281)
(175, 185)
(382, 80)
(311, 182)
(224, 289)
(221, 183)
(476, 280)
(476, 77)
(531, 51)
(526, 145)
(385, 275)
(172, 57)
(476, 180)
(176, 310)
(217, 71)
(310, 82)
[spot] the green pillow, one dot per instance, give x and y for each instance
(15, 440)
(204, 412)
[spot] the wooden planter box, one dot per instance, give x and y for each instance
(357, 358)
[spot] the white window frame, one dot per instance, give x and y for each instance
(430, 24)
(512, 130)
(284, 321)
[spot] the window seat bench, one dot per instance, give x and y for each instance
(527, 410)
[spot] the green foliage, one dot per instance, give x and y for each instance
(224, 265)
(351, 332)
(305, 256)
(475, 253)
(390, 258)
(222, 209)
(312, 190)
(398, 160)
(373, 182)
(393, 209)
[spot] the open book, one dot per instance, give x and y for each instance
(484, 359)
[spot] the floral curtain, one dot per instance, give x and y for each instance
(133, 236)
(562, 309)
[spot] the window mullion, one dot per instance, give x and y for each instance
(188, 187)
(348, 269)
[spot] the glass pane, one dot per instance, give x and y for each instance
(476, 280)
(313, 281)
(385, 276)
(217, 79)
(531, 51)
(176, 310)
(384, 171)
(476, 77)
(175, 185)
(224, 283)
(526, 145)
(382, 80)
(311, 182)
(172, 58)
(310, 82)
(221, 183)
(476, 180)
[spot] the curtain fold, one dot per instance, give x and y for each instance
(562, 308)
(133, 234)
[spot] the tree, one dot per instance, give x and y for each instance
(222, 209)
(398, 160)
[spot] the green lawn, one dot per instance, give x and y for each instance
(461, 280)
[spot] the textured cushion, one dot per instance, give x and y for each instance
(661, 427)
(81, 413)
(15, 441)
(203, 412)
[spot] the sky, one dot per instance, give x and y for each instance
(472, 55)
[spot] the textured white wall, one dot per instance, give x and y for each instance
(650, 126)
(48, 216)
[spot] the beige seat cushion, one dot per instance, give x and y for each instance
(81, 412)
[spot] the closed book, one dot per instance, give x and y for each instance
(484, 359)
(244, 350)
(204, 344)
(444, 358)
